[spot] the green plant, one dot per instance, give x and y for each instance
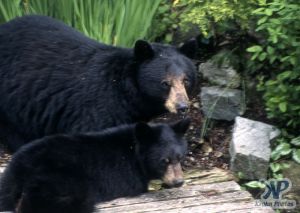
(117, 22)
(287, 146)
(279, 23)
(214, 15)
(9, 9)
(165, 22)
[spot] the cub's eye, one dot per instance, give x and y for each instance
(186, 82)
(166, 84)
(166, 161)
(179, 157)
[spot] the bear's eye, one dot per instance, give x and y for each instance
(179, 157)
(186, 82)
(166, 84)
(166, 161)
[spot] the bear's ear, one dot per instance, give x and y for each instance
(143, 50)
(181, 126)
(189, 48)
(143, 132)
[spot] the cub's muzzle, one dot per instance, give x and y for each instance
(173, 176)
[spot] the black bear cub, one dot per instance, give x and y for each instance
(69, 174)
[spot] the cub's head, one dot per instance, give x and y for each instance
(160, 150)
(166, 75)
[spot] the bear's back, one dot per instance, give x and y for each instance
(38, 26)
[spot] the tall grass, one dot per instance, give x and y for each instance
(117, 22)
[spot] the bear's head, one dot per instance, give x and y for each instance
(165, 74)
(160, 149)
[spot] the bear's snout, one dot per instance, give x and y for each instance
(173, 176)
(177, 101)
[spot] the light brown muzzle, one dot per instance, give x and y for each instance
(178, 99)
(173, 176)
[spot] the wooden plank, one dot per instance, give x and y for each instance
(199, 177)
(171, 194)
(242, 207)
(179, 203)
(187, 199)
(214, 175)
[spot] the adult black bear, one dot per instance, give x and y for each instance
(56, 80)
(70, 173)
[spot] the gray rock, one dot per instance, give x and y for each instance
(250, 147)
(224, 75)
(221, 103)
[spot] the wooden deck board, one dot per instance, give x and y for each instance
(213, 197)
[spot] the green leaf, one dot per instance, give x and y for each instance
(277, 176)
(280, 150)
(262, 20)
(274, 38)
(270, 50)
(275, 167)
(275, 100)
(259, 10)
(283, 106)
(275, 155)
(262, 56)
(296, 155)
(254, 49)
(284, 75)
(272, 58)
(296, 141)
(293, 60)
(269, 12)
(285, 58)
(241, 175)
(254, 56)
(284, 148)
(255, 184)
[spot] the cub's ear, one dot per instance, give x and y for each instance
(181, 126)
(189, 48)
(143, 50)
(143, 132)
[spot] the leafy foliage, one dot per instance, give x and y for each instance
(165, 22)
(117, 22)
(286, 147)
(280, 52)
(216, 14)
(279, 23)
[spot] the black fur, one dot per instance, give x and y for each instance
(56, 80)
(69, 174)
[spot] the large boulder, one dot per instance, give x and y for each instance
(223, 75)
(222, 103)
(250, 147)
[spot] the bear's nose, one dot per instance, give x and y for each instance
(182, 107)
(178, 182)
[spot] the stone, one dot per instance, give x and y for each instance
(218, 154)
(206, 148)
(196, 105)
(223, 75)
(250, 148)
(222, 103)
